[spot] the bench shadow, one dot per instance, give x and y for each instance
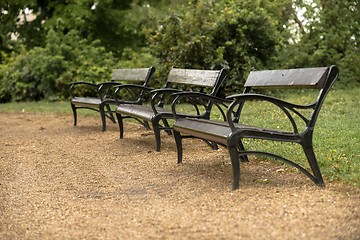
(255, 174)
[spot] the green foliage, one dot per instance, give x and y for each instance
(45, 72)
(330, 36)
(116, 23)
(76, 40)
(208, 35)
(14, 21)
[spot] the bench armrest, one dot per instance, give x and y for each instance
(197, 99)
(165, 90)
(73, 84)
(286, 107)
(118, 87)
(84, 84)
(160, 95)
(137, 92)
(261, 97)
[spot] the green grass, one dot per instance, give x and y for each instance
(336, 137)
(61, 107)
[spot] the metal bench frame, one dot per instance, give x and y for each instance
(105, 90)
(155, 113)
(230, 132)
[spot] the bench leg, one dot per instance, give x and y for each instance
(103, 117)
(146, 125)
(167, 126)
(111, 115)
(243, 158)
(121, 124)
(212, 145)
(178, 141)
(156, 129)
(74, 113)
(235, 162)
(310, 155)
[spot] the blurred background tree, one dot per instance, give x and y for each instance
(45, 44)
(327, 32)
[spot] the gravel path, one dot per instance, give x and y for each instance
(61, 182)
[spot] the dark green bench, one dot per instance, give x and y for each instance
(208, 81)
(231, 132)
(104, 99)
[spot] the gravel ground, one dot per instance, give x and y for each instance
(63, 182)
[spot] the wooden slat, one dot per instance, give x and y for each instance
(301, 77)
(133, 74)
(193, 76)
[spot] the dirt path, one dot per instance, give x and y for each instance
(61, 182)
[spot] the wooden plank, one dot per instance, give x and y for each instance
(133, 74)
(300, 77)
(194, 76)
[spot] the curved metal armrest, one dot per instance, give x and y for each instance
(180, 95)
(253, 97)
(165, 90)
(107, 84)
(240, 99)
(129, 87)
(104, 88)
(197, 98)
(142, 87)
(73, 84)
(160, 94)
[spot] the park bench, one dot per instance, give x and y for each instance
(104, 92)
(156, 113)
(231, 132)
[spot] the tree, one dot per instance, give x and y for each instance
(45, 72)
(215, 34)
(330, 35)
(116, 23)
(14, 23)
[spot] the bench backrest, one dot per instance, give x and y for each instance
(133, 74)
(301, 77)
(197, 77)
(321, 78)
(126, 75)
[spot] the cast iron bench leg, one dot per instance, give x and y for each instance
(235, 162)
(243, 158)
(103, 117)
(74, 113)
(178, 141)
(310, 155)
(121, 125)
(156, 129)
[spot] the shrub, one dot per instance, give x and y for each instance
(45, 72)
(208, 35)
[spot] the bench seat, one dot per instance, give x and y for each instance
(86, 101)
(144, 112)
(219, 132)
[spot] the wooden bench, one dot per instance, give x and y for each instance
(231, 132)
(177, 81)
(104, 99)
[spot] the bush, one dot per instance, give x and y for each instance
(45, 72)
(235, 35)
